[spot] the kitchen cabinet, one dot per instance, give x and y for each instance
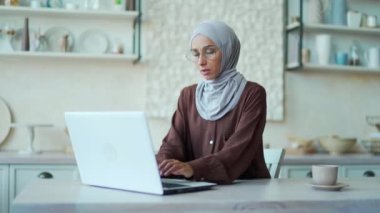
(4, 188)
(351, 171)
(361, 171)
(350, 165)
(16, 171)
(295, 172)
(111, 35)
(14, 177)
(21, 175)
(301, 37)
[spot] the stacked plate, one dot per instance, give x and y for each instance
(5, 120)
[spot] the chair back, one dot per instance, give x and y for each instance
(273, 160)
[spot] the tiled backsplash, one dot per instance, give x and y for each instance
(258, 25)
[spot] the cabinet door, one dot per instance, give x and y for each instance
(361, 171)
(296, 172)
(21, 175)
(4, 188)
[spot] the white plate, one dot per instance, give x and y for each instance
(54, 36)
(16, 40)
(336, 187)
(5, 120)
(93, 41)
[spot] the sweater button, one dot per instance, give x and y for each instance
(211, 142)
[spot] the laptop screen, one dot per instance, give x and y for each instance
(114, 150)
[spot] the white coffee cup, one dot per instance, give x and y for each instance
(71, 6)
(35, 4)
(323, 47)
(371, 21)
(373, 57)
(325, 174)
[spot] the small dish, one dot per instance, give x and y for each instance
(93, 41)
(336, 187)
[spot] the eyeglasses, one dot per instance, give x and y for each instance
(208, 52)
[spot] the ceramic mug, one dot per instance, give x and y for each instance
(341, 58)
(371, 21)
(325, 174)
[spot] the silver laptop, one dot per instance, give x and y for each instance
(114, 150)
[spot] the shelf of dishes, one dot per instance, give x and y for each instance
(332, 67)
(44, 55)
(58, 12)
(333, 28)
(327, 48)
(59, 40)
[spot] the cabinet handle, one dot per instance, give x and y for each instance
(309, 174)
(45, 175)
(369, 173)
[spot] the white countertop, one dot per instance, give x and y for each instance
(269, 195)
(349, 159)
(13, 157)
(55, 157)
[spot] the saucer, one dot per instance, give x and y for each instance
(336, 187)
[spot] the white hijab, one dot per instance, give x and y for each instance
(215, 98)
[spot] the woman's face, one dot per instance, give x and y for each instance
(206, 56)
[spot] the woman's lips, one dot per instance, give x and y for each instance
(205, 71)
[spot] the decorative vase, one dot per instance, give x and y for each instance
(315, 11)
(25, 36)
(373, 57)
(323, 47)
(338, 11)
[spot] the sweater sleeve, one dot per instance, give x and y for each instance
(172, 146)
(241, 149)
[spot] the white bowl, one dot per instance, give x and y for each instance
(336, 145)
(372, 145)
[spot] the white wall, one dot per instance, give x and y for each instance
(39, 91)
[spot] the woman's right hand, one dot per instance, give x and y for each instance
(175, 167)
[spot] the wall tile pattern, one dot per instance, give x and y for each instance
(258, 24)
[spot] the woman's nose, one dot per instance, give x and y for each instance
(202, 59)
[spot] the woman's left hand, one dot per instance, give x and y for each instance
(175, 167)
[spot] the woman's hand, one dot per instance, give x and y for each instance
(175, 167)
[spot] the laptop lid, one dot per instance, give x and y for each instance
(114, 150)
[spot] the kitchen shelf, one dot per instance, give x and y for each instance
(342, 29)
(293, 26)
(97, 14)
(133, 17)
(299, 37)
(55, 55)
(336, 68)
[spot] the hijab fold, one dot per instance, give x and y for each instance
(215, 98)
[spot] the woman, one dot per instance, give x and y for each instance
(216, 132)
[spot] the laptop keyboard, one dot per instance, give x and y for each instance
(171, 185)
